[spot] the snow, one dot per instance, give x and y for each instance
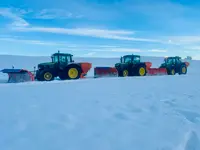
(143, 113)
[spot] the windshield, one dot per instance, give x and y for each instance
(136, 59)
(128, 59)
(62, 59)
(168, 61)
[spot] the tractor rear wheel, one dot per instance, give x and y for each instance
(74, 73)
(71, 72)
(141, 71)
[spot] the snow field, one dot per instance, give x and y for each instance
(147, 113)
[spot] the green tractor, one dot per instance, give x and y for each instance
(130, 65)
(174, 65)
(62, 66)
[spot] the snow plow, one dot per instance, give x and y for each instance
(18, 75)
(105, 72)
(130, 65)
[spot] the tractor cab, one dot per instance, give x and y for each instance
(64, 58)
(130, 59)
(172, 60)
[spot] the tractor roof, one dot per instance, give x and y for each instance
(63, 54)
(174, 57)
(131, 55)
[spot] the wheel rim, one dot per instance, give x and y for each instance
(173, 71)
(125, 73)
(183, 70)
(48, 76)
(73, 73)
(142, 71)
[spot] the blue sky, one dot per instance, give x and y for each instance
(100, 28)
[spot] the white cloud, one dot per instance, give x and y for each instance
(37, 42)
(180, 40)
(100, 33)
(125, 50)
(158, 50)
(90, 54)
(17, 20)
(56, 14)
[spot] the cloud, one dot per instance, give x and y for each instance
(37, 42)
(158, 50)
(184, 39)
(91, 49)
(90, 54)
(16, 19)
(100, 33)
(125, 50)
(56, 14)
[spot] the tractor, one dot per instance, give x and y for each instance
(130, 65)
(62, 66)
(174, 65)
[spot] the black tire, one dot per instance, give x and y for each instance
(120, 73)
(141, 70)
(125, 73)
(183, 70)
(72, 72)
(45, 75)
(171, 71)
(63, 75)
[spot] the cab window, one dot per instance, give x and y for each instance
(127, 60)
(136, 59)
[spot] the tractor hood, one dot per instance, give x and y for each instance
(46, 64)
(119, 66)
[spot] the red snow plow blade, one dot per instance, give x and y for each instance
(156, 71)
(18, 75)
(105, 72)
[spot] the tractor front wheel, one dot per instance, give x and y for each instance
(171, 71)
(45, 75)
(125, 73)
(183, 70)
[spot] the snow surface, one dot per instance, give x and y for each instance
(133, 113)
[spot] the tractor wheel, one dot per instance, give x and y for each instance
(183, 70)
(171, 72)
(141, 71)
(125, 73)
(73, 72)
(46, 75)
(63, 75)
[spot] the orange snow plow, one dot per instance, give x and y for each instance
(156, 71)
(105, 72)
